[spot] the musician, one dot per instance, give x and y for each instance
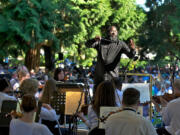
(30, 86)
(59, 74)
(25, 125)
(127, 121)
(104, 96)
(170, 112)
(48, 115)
(109, 54)
(22, 74)
(118, 92)
(4, 89)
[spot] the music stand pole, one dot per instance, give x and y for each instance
(75, 116)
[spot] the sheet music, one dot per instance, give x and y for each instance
(143, 89)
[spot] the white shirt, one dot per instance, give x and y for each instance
(50, 115)
(171, 116)
(4, 96)
(128, 122)
(18, 127)
(92, 120)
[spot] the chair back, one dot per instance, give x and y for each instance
(7, 107)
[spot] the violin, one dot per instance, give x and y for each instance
(103, 119)
(168, 97)
(14, 114)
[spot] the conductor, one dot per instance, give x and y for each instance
(109, 54)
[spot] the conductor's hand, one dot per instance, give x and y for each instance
(97, 38)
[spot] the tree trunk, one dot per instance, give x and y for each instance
(32, 58)
(49, 58)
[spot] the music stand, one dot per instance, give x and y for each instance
(72, 97)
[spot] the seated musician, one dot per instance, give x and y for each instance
(104, 96)
(59, 74)
(30, 86)
(170, 112)
(127, 121)
(25, 124)
(48, 115)
(22, 74)
(118, 92)
(4, 89)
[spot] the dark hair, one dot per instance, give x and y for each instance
(3, 84)
(104, 96)
(131, 96)
(117, 82)
(28, 103)
(56, 72)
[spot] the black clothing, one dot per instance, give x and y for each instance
(162, 131)
(108, 59)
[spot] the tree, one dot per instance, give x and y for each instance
(81, 20)
(127, 17)
(161, 33)
(84, 19)
(28, 25)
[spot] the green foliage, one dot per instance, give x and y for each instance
(127, 17)
(83, 20)
(27, 23)
(161, 33)
(132, 64)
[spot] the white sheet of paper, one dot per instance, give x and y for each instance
(143, 89)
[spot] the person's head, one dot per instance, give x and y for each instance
(22, 73)
(113, 33)
(29, 86)
(104, 96)
(131, 97)
(117, 82)
(176, 86)
(28, 103)
(48, 91)
(59, 74)
(4, 85)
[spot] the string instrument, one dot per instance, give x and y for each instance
(168, 97)
(103, 119)
(41, 86)
(14, 114)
